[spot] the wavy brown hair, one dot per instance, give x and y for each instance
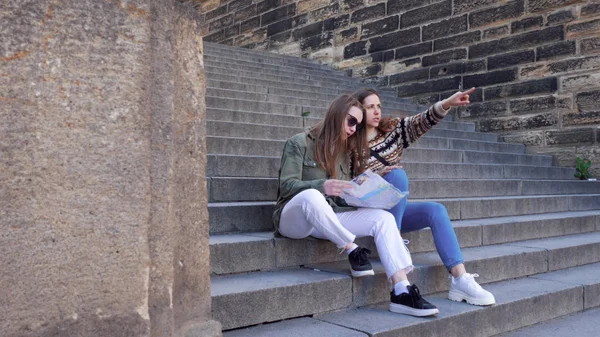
(330, 140)
(385, 123)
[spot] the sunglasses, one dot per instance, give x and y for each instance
(352, 121)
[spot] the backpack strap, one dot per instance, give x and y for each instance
(380, 158)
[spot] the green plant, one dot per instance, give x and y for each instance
(305, 114)
(582, 169)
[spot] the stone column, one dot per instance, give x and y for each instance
(103, 215)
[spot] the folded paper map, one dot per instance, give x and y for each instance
(372, 191)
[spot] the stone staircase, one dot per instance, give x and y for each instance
(528, 228)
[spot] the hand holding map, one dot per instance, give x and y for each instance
(372, 191)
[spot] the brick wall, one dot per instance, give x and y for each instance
(536, 63)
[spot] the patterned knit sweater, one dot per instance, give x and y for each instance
(406, 131)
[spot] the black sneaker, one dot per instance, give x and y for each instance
(359, 262)
(412, 303)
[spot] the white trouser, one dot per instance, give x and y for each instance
(308, 213)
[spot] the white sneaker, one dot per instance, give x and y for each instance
(465, 288)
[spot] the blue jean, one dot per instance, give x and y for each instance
(414, 216)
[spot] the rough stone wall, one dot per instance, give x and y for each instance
(536, 63)
(103, 218)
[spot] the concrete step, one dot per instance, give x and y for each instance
(288, 83)
(282, 294)
(217, 114)
(254, 251)
(580, 324)
(277, 132)
(268, 167)
(229, 189)
(285, 76)
(236, 63)
(285, 88)
(228, 217)
(307, 99)
(215, 57)
(427, 149)
(213, 49)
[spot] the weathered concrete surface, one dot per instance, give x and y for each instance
(104, 226)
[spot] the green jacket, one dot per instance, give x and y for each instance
(299, 171)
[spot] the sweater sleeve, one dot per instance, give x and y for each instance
(411, 128)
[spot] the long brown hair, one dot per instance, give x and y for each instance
(385, 123)
(330, 140)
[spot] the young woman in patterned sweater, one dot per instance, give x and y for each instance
(388, 137)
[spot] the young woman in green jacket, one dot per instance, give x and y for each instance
(315, 167)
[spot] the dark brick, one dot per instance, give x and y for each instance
(560, 17)
(376, 81)
(444, 57)
(255, 36)
(277, 14)
(427, 99)
(395, 6)
(237, 4)
(517, 42)
(463, 6)
(370, 70)
(588, 101)
(341, 21)
(545, 85)
(460, 68)
(380, 27)
(280, 38)
(582, 118)
(286, 24)
(572, 136)
(443, 28)
(488, 16)
(383, 56)
(591, 45)
(216, 13)
(266, 5)
(396, 39)
(245, 13)
(317, 42)
(349, 33)
(223, 34)
(518, 123)
(429, 87)
(351, 4)
(542, 5)
(574, 64)
(414, 50)
(496, 32)
(410, 76)
(325, 12)
(529, 105)
(249, 25)
(308, 31)
(486, 109)
(511, 59)
(410, 62)
(368, 13)
(355, 49)
(221, 23)
(593, 26)
(418, 16)
(485, 79)
(458, 40)
(590, 9)
(526, 24)
(556, 49)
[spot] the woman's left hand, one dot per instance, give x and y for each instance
(460, 98)
(387, 169)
